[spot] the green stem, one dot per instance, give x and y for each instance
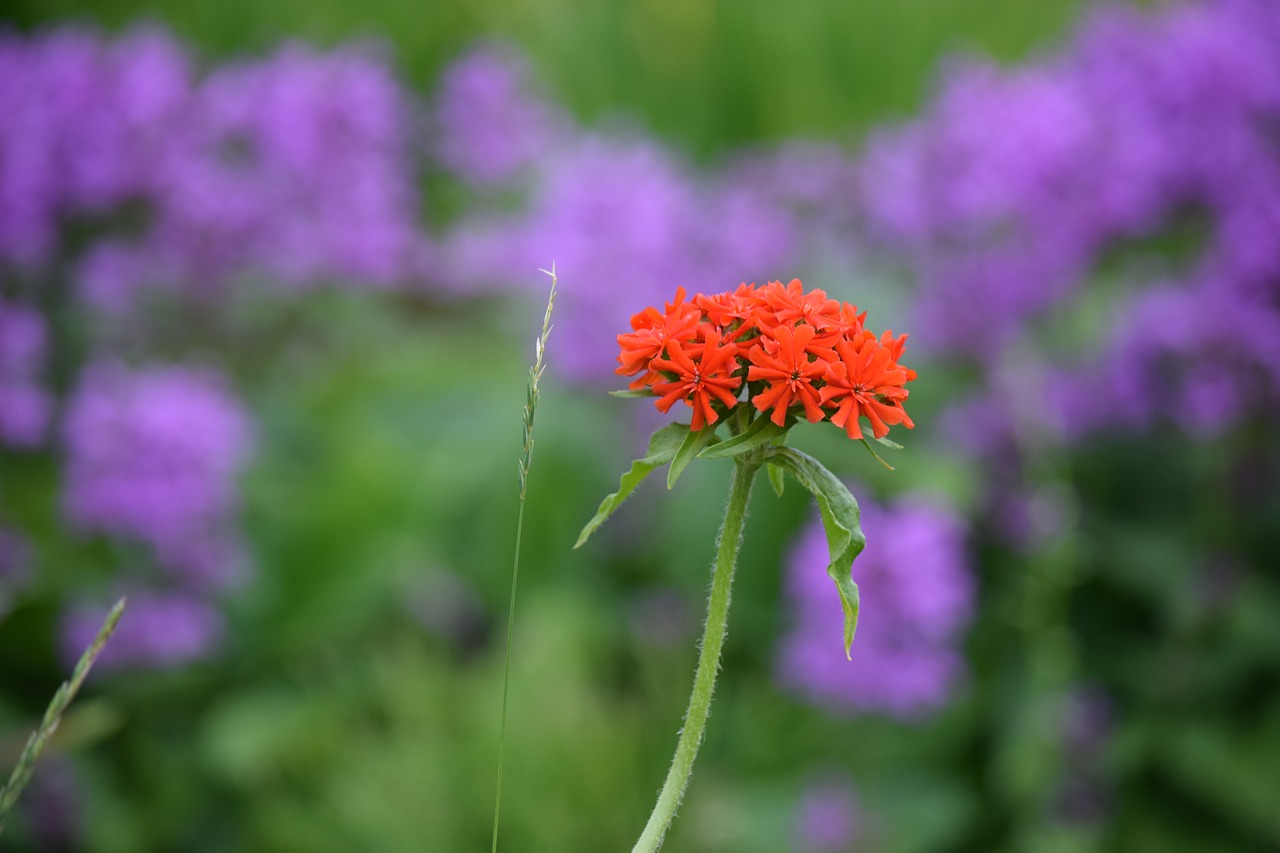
(704, 680)
(506, 677)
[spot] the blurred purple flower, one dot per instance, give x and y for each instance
(449, 608)
(86, 124)
(661, 617)
(828, 818)
(917, 598)
(55, 805)
(296, 167)
(25, 407)
(158, 630)
(1088, 722)
(1199, 355)
(15, 567)
(153, 454)
(809, 190)
(626, 223)
(1018, 183)
(489, 122)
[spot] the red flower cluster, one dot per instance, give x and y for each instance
(793, 351)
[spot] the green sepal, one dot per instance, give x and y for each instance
(872, 451)
(692, 445)
(840, 519)
(885, 440)
(633, 392)
(762, 430)
(662, 449)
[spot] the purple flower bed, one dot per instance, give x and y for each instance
(294, 169)
(917, 597)
(153, 456)
(25, 406)
(1017, 185)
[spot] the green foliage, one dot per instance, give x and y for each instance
(761, 431)
(693, 444)
(663, 446)
(708, 75)
(840, 520)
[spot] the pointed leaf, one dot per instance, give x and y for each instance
(775, 479)
(762, 430)
(693, 444)
(662, 449)
(840, 519)
(633, 392)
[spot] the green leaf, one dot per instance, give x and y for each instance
(633, 392)
(691, 447)
(840, 519)
(762, 430)
(775, 479)
(886, 441)
(662, 449)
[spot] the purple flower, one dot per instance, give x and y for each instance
(296, 167)
(828, 818)
(1016, 182)
(55, 804)
(917, 598)
(660, 617)
(489, 123)
(25, 407)
(15, 567)
(153, 455)
(624, 221)
(86, 124)
(1200, 355)
(807, 192)
(157, 631)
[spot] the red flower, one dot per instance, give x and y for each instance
(703, 373)
(651, 330)
(895, 347)
(735, 314)
(790, 305)
(866, 380)
(789, 372)
(728, 308)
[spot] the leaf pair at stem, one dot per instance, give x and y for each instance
(759, 442)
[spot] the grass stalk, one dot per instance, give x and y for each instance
(526, 457)
(53, 716)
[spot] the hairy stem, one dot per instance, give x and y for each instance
(704, 680)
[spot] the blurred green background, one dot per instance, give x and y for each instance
(353, 701)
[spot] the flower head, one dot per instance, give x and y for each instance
(796, 351)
